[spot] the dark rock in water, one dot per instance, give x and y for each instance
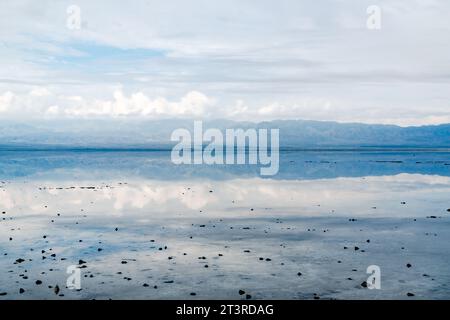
(124, 262)
(168, 281)
(21, 290)
(145, 285)
(81, 262)
(248, 296)
(20, 260)
(3, 293)
(56, 290)
(448, 210)
(356, 248)
(299, 274)
(431, 217)
(409, 294)
(38, 282)
(193, 294)
(408, 265)
(364, 284)
(241, 292)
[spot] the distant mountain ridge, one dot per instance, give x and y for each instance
(156, 133)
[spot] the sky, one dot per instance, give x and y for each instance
(240, 60)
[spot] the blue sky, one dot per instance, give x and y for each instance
(244, 60)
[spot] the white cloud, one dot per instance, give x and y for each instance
(40, 92)
(193, 104)
(234, 59)
(41, 103)
(6, 101)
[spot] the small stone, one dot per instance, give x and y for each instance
(408, 265)
(364, 284)
(409, 294)
(21, 290)
(38, 282)
(241, 292)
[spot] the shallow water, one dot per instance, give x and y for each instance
(161, 225)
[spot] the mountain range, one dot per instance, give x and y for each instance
(117, 133)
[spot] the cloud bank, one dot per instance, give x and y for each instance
(234, 59)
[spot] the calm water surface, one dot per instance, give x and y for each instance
(147, 229)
